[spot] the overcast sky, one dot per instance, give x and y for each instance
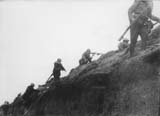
(34, 34)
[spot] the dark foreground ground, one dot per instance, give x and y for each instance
(113, 85)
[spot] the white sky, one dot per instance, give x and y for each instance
(34, 34)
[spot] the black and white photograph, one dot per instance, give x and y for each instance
(79, 57)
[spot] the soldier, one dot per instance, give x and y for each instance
(5, 108)
(58, 67)
(123, 45)
(17, 105)
(29, 95)
(139, 14)
(86, 57)
(30, 89)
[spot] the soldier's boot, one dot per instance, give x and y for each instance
(144, 44)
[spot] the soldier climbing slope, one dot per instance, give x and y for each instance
(139, 14)
(30, 95)
(58, 67)
(4, 108)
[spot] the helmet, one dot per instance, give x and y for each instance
(88, 50)
(6, 102)
(59, 60)
(32, 84)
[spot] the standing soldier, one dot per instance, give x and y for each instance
(58, 67)
(139, 14)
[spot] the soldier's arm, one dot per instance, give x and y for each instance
(154, 18)
(62, 68)
(96, 53)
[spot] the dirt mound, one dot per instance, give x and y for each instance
(113, 85)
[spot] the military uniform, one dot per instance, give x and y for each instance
(58, 67)
(139, 14)
(85, 57)
(5, 108)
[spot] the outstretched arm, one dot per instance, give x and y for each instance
(62, 68)
(154, 18)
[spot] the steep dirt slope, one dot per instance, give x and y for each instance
(113, 85)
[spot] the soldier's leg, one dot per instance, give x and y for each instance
(134, 32)
(85, 60)
(144, 37)
(90, 59)
(57, 78)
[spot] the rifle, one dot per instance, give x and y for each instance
(96, 53)
(49, 77)
(122, 36)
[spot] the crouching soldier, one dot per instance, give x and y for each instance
(87, 57)
(123, 45)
